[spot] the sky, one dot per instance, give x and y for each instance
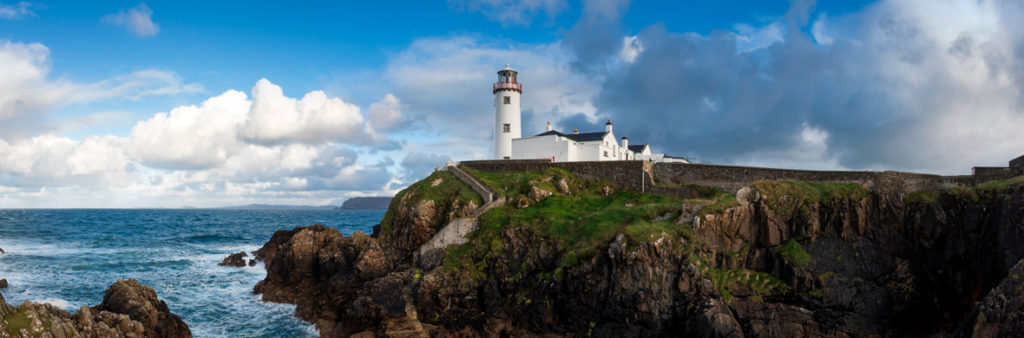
(125, 104)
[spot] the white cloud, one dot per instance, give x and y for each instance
(138, 20)
(386, 114)
(316, 118)
(49, 159)
(820, 30)
(749, 38)
(809, 150)
(229, 149)
(631, 49)
(196, 137)
(512, 12)
(18, 11)
(27, 95)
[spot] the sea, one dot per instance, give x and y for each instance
(68, 258)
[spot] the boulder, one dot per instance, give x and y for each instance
(563, 186)
(3, 283)
(141, 304)
(235, 259)
(538, 194)
(105, 320)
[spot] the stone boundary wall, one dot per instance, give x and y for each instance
(1017, 163)
(673, 178)
(732, 178)
(626, 174)
(993, 171)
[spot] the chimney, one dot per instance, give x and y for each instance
(549, 126)
(575, 130)
(608, 126)
(625, 142)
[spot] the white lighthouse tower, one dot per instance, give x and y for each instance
(506, 112)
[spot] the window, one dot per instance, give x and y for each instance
(508, 100)
(506, 128)
(605, 153)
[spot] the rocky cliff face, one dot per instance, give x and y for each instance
(776, 259)
(129, 309)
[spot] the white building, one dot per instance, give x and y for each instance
(551, 144)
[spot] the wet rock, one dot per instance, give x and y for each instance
(3, 283)
(140, 303)
(235, 259)
(252, 262)
(45, 320)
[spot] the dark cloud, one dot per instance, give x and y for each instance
(886, 94)
(597, 35)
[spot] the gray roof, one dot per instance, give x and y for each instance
(581, 137)
(639, 148)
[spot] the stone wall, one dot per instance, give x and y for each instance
(634, 175)
(1017, 163)
(674, 178)
(995, 172)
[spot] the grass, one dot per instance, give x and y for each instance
(980, 194)
(16, 321)
(519, 183)
(1001, 185)
(582, 223)
(793, 253)
(443, 194)
(719, 204)
(725, 280)
(805, 193)
(925, 196)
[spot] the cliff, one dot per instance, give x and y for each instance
(129, 309)
(570, 256)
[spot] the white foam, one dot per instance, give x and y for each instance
(63, 304)
(23, 248)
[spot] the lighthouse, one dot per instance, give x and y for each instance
(506, 112)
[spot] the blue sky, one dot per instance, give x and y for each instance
(167, 104)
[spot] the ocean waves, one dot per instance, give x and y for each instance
(69, 257)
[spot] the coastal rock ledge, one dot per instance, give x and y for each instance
(777, 259)
(129, 309)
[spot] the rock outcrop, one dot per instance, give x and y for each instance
(236, 260)
(778, 259)
(129, 309)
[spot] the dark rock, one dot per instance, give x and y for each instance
(878, 266)
(252, 262)
(1001, 313)
(49, 321)
(235, 259)
(1, 250)
(3, 283)
(375, 232)
(141, 304)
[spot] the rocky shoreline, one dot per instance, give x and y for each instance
(128, 309)
(779, 258)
